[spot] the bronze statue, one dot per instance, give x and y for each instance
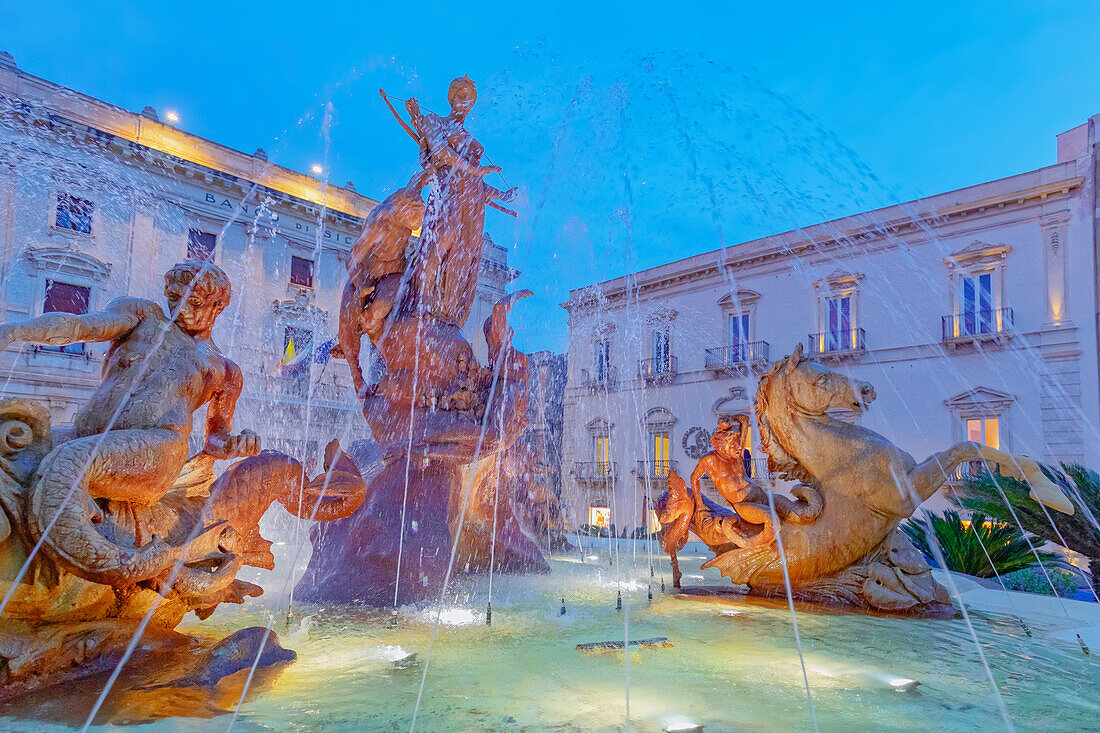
(840, 540)
(438, 418)
(125, 523)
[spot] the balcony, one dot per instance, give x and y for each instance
(976, 326)
(601, 379)
(837, 344)
(655, 470)
(596, 474)
(738, 357)
(760, 469)
(658, 371)
(969, 470)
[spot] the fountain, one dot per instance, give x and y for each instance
(131, 563)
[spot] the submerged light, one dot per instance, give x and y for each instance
(903, 684)
(684, 728)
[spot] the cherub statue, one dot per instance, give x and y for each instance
(130, 441)
(375, 266)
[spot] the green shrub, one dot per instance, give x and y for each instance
(1033, 580)
(962, 544)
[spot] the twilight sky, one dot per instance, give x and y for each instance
(638, 135)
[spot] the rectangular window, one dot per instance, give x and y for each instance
(660, 454)
(602, 455)
(985, 431)
(603, 360)
(74, 213)
(738, 337)
(301, 272)
(977, 304)
(297, 349)
(65, 298)
(662, 358)
(838, 324)
(200, 245)
(599, 516)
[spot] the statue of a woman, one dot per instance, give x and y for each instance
(446, 274)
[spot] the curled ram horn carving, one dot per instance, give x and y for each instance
(24, 437)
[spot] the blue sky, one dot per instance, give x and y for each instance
(639, 134)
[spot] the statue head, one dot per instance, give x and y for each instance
(197, 292)
(462, 94)
(727, 440)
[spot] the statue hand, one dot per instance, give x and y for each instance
(247, 443)
(509, 196)
(486, 170)
(412, 106)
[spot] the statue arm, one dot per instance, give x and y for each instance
(700, 470)
(220, 441)
(61, 329)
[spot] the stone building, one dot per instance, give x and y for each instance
(97, 202)
(973, 313)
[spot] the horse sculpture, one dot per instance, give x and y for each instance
(853, 552)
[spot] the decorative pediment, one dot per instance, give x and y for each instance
(599, 428)
(736, 401)
(71, 262)
(662, 316)
(977, 253)
(659, 420)
(299, 308)
(980, 402)
(743, 298)
(839, 280)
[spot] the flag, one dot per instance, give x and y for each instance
(323, 354)
(288, 356)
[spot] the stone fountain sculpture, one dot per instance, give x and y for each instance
(840, 537)
(435, 415)
(110, 522)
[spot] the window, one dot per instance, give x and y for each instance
(603, 360)
(838, 324)
(602, 455)
(65, 298)
(662, 358)
(200, 245)
(301, 272)
(977, 304)
(986, 431)
(660, 454)
(297, 346)
(74, 213)
(738, 336)
(599, 516)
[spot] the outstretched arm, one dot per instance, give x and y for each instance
(61, 329)
(220, 441)
(701, 469)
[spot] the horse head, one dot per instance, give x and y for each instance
(815, 389)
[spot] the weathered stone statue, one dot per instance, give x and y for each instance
(110, 521)
(438, 418)
(840, 540)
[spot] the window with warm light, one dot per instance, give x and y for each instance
(66, 298)
(599, 516)
(74, 213)
(660, 462)
(301, 272)
(200, 245)
(602, 455)
(986, 431)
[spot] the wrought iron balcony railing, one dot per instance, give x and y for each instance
(657, 470)
(598, 379)
(738, 355)
(837, 342)
(660, 371)
(595, 473)
(978, 325)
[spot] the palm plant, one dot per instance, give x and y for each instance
(969, 546)
(992, 495)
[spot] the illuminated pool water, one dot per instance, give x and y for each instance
(733, 666)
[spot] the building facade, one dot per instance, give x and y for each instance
(973, 313)
(97, 202)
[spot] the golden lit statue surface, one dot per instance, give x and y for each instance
(109, 521)
(840, 542)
